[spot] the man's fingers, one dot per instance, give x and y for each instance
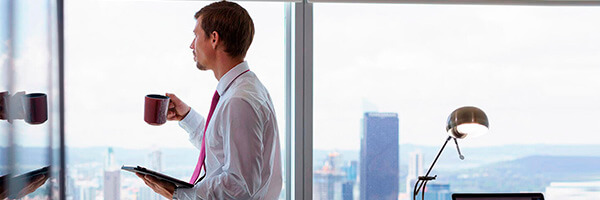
(151, 179)
(33, 185)
(143, 177)
(173, 97)
(38, 178)
(148, 183)
(161, 187)
(170, 114)
(39, 181)
(153, 183)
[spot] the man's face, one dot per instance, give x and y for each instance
(201, 46)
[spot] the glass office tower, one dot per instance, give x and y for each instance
(379, 176)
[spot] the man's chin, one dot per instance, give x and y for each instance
(201, 67)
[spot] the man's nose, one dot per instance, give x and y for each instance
(192, 44)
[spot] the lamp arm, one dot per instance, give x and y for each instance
(457, 148)
(416, 192)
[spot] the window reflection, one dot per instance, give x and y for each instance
(26, 97)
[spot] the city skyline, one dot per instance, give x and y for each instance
(83, 171)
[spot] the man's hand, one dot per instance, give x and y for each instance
(31, 186)
(177, 109)
(163, 188)
(35, 183)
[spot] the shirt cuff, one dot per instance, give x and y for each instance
(191, 121)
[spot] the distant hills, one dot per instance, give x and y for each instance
(474, 157)
(532, 173)
(510, 168)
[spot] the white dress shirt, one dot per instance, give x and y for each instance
(243, 158)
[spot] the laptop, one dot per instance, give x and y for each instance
(497, 196)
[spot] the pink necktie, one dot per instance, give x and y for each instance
(215, 100)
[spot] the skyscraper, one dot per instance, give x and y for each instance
(112, 184)
(379, 159)
(415, 169)
(112, 178)
(348, 186)
(437, 191)
(347, 190)
(154, 162)
(327, 181)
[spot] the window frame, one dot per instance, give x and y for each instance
(299, 76)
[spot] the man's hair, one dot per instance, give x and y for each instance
(233, 24)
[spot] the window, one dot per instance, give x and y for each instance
(386, 77)
(28, 99)
(120, 51)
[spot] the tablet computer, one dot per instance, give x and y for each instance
(178, 183)
(23, 178)
(29, 176)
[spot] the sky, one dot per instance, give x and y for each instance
(533, 70)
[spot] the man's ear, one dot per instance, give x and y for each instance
(214, 39)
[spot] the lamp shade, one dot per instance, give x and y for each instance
(467, 121)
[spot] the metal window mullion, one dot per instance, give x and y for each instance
(298, 102)
(303, 100)
(308, 100)
(62, 184)
(288, 100)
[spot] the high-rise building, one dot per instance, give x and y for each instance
(437, 191)
(379, 158)
(351, 170)
(415, 169)
(145, 193)
(86, 190)
(112, 178)
(154, 162)
(348, 190)
(327, 181)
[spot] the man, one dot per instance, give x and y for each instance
(241, 140)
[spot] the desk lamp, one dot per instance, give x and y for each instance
(463, 122)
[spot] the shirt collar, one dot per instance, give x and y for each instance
(230, 77)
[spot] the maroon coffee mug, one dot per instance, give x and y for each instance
(4, 105)
(155, 111)
(36, 108)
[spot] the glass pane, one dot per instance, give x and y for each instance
(26, 92)
(386, 80)
(4, 87)
(119, 51)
